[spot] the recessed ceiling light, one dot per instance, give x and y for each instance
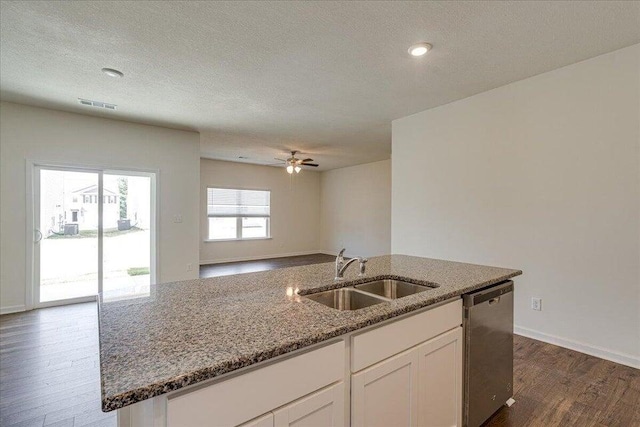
(112, 73)
(420, 49)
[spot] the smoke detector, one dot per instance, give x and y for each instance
(97, 104)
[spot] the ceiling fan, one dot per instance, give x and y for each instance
(295, 164)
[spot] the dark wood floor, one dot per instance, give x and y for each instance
(229, 268)
(49, 371)
(49, 375)
(554, 386)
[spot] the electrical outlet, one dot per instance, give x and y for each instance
(189, 267)
(536, 304)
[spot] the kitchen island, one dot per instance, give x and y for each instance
(192, 337)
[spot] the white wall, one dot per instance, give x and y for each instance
(541, 175)
(295, 214)
(355, 205)
(52, 136)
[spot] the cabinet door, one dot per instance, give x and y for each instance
(440, 381)
(324, 408)
(263, 421)
(386, 394)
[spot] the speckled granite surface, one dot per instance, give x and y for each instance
(190, 331)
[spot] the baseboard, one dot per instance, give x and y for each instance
(332, 253)
(12, 309)
(603, 353)
(259, 257)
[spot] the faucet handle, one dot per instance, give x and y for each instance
(341, 253)
(363, 261)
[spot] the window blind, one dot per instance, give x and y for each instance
(224, 202)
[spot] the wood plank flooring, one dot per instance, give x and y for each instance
(49, 370)
(554, 386)
(229, 268)
(49, 375)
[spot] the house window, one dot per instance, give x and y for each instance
(238, 214)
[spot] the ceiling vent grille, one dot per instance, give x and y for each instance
(97, 104)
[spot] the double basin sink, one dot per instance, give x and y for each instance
(368, 294)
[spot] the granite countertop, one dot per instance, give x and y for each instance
(185, 332)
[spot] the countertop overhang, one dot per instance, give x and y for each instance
(186, 332)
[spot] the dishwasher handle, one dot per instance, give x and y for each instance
(491, 294)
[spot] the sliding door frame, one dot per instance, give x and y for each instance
(33, 168)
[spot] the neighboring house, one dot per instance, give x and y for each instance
(60, 207)
(77, 207)
(81, 207)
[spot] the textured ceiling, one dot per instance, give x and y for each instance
(260, 78)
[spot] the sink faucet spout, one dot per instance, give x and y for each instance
(341, 265)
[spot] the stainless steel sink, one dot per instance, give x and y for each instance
(392, 289)
(345, 299)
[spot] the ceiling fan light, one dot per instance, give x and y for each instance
(290, 169)
(297, 169)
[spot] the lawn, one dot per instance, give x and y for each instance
(65, 259)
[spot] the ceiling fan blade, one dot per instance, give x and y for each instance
(282, 160)
(315, 165)
(307, 160)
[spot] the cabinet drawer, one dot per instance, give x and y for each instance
(245, 396)
(381, 343)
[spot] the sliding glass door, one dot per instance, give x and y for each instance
(127, 235)
(93, 233)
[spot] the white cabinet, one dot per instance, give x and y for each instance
(244, 397)
(440, 381)
(419, 387)
(386, 394)
(263, 421)
(399, 335)
(321, 409)
(422, 384)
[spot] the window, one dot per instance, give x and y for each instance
(238, 214)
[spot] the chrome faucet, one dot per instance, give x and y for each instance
(341, 266)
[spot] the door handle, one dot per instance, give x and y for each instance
(38, 236)
(494, 301)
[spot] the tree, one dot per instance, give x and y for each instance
(123, 190)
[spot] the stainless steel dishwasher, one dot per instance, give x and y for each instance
(488, 330)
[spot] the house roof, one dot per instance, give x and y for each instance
(93, 189)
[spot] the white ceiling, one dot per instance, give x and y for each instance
(260, 78)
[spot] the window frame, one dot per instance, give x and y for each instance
(238, 218)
